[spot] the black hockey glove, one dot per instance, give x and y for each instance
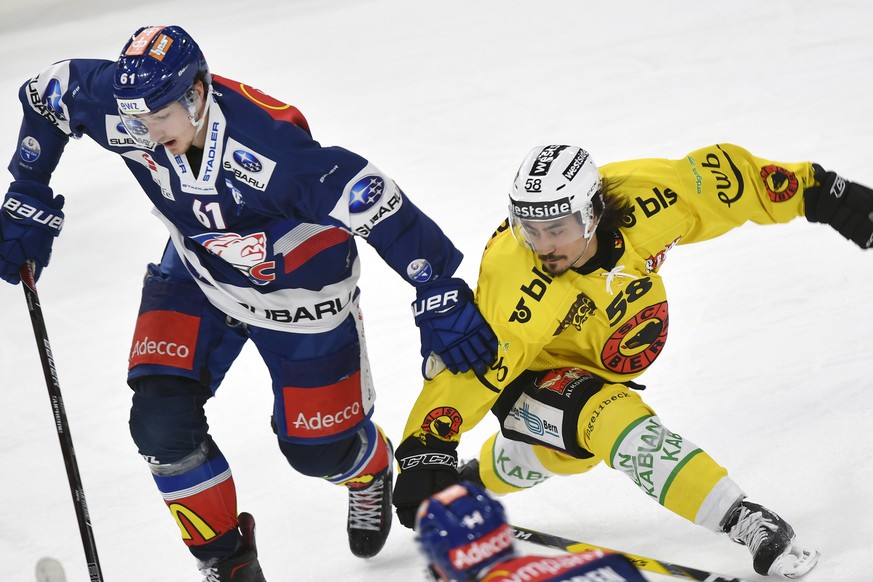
(846, 206)
(424, 470)
(452, 327)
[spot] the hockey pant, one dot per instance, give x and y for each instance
(542, 435)
(182, 348)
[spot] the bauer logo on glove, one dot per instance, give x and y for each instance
(441, 303)
(29, 224)
(452, 328)
(19, 210)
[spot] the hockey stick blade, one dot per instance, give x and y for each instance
(49, 570)
(641, 562)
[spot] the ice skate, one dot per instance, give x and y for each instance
(771, 540)
(369, 518)
(242, 566)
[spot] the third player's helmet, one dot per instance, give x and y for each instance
(553, 182)
(157, 66)
(461, 531)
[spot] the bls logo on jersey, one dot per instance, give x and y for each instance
(536, 289)
(660, 201)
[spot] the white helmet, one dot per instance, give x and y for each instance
(554, 182)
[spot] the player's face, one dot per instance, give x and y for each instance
(170, 127)
(560, 244)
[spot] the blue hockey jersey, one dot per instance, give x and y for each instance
(266, 225)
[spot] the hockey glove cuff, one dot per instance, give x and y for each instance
(28, 227)
(452, 327)
(846, 206)
(423, 472)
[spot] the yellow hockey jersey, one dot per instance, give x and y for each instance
(611, 320)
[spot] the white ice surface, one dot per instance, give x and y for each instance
(769, 331)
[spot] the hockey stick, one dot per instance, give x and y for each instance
(648, 564)
(61, 424)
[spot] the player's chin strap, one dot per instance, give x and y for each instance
(207, 100)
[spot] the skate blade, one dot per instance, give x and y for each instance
(796, 562)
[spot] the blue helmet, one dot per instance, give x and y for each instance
(157, 66)
(462, 530)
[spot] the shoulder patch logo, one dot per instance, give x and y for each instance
(444, 422)
(365, 193)
(781, 184)
(29, 149)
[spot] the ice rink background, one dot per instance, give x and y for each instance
(768, 363)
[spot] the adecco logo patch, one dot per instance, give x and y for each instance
(324, 410)
(166, 338)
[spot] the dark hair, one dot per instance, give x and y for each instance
(612, 208)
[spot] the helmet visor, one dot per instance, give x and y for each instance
(136, 129)
(546, 237)
(144, 126)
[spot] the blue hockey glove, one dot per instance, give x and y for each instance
(846, 206)
(28, 227)
(452, 327)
